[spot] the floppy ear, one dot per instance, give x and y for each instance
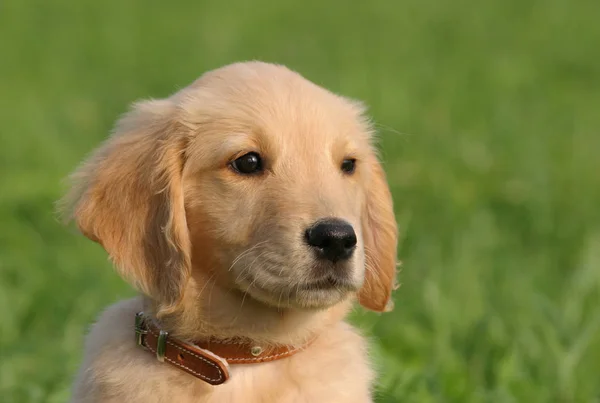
(380, 236)
(128, 197)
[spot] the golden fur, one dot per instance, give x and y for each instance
(215, 253)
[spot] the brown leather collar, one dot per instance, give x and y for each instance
(207, 360)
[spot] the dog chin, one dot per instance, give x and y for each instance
(320, 299)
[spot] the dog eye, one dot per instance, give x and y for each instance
(248, 163)
(349, 165)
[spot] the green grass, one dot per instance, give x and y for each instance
(490, 125)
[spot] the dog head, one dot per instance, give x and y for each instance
(253, 175)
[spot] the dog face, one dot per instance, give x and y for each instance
(254, 176)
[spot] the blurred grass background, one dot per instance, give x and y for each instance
(489, 116)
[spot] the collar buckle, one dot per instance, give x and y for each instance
(140, 329)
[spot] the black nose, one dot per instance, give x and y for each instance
(333, 239)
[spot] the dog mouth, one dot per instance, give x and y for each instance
(328, 283)
(320, 293)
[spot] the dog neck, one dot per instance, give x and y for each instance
(221, 313)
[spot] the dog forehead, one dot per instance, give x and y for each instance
(263, 94)
(273, 106)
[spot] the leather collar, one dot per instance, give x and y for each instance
(207, 360)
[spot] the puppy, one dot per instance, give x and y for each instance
(250, 210)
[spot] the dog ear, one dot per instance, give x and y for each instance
(128, 197)
(380, 238)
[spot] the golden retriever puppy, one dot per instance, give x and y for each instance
(250, 210)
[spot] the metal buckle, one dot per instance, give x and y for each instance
(139, 329)
(161, 345)
(140, 332)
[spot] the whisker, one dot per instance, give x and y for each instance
(249, 267)
(389, 129)
(212, 276)
(246, 293)
(211, 291)
(244, 253)
(280, 295)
